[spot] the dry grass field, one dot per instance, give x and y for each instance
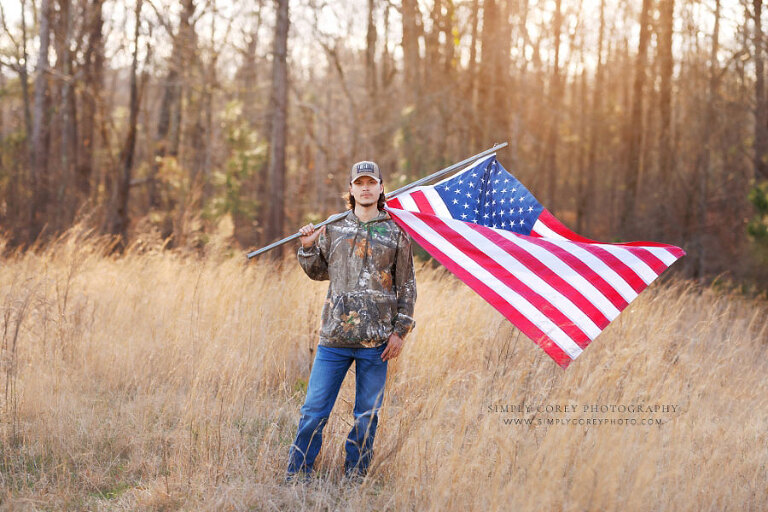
(159, 381)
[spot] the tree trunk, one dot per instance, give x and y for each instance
(635, 125)
(279, 100)
(373, 142)
(119, 221)
(494, 72)
(435, 105)
(446, 152)
(761, 130)
(200, 105)
(412, 93)
(555, 100)
(411, 59)
(247, 230)
(666, 156)
(166, 139)
(470, 97)
(40, 130)
(583, 150)
(66, 204)
(521, 104)
(248, 73)
(704, 161)
(24, 78)
(621, 96)
(93, 74)
(2, 107)
(432, 48)
(371, 84)
(587, 192)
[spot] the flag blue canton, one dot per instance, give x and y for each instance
(488, 195)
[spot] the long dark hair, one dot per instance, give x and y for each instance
(351, 201)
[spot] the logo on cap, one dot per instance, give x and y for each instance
(365, 166)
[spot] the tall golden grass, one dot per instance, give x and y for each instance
(164, 381)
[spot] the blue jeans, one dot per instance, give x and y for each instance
(328, 371)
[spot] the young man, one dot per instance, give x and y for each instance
(367, 314)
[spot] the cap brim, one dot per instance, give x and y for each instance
(366, 174)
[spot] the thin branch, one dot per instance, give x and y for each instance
(161, 18)
(5, 28)
(736, 56)
(9, 65)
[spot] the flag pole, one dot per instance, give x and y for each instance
(427, 179)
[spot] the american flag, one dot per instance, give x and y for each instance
(560, 289)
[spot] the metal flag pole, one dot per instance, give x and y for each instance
(422, 181)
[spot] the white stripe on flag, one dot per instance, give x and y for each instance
(408, 203)
(544, 231)
(436, 202)
(664, 255)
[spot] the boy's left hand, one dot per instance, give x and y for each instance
(394, 347)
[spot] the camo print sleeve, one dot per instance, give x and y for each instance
(405, 286)
(313, 259)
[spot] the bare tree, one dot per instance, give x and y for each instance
(761, 129)
(93, 77)
(167, 132)
(555, 99)
(40, 128)
(17, 199)
(119, 218)
(371, 83)
(410, 44)
(65, 206)
(470, 81)
(702, 177)
(279, 107)
(666, 155)
(20, 67)
(634, 127)
(586, 186)
(413, 32)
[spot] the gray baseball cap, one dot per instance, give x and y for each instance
(365, 168)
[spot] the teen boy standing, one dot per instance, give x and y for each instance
(366, 316)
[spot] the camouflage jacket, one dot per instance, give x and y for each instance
(372, 290)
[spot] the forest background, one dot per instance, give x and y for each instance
(167, 121)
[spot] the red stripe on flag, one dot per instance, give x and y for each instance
(558, 227)
(422, 202)
(395, 203)
(493, 298)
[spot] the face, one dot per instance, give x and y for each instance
(366, 190)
